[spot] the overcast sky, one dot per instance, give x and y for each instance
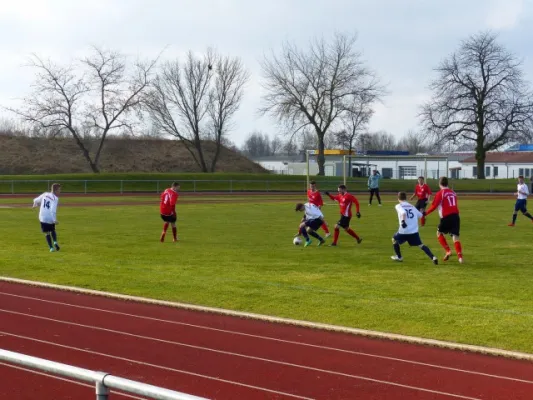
(402, 40)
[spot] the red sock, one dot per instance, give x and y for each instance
(443, 243)
(174, 232)
(165, 227)
(423, 220)
(325, 227)
(352, 233)
(458, 249)
(336, 236)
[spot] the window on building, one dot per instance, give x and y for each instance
(487, 171)
(521, 171)
(527, 172)
(386, 172)
(495, 172)
(407, 172)
(474, 171)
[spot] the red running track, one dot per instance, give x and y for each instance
(221, 357)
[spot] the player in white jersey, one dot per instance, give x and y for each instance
(312, 220)
(408, 217)
(48, 202)
(521, 200)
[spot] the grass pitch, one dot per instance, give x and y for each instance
(239, 255)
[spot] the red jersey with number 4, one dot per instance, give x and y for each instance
(345, 202)
(422, 192)
(446, 202)
(169, 198)
(315, 198)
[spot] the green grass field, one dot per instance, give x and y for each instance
(238, 254)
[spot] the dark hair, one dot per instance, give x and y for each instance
(421, 177)
(299, 206)
(312, 183)
(402, 196)
(342, 187)
(443, 181)
(520, 176)
(55, 186)
(174, 184)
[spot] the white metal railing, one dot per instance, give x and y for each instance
(103, 381)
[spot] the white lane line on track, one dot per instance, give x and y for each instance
(67, 380)
(158, 366)
(266, 360)
(268, 338)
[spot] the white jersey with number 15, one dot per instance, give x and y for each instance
(48, 202)
(412, 215)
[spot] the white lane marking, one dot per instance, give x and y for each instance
(67, 380)
(268, 338)
(287, 364)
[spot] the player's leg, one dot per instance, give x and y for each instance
(455, 236)
(396, 242)
(350, 231)
(174, 231)
(442, 229)
(54, 238)
(325, 228)
(525, 212)
(414, 240)
(316, 236)
(421, 206)
(378, 196)
(165, 227)
(303, 232)
(46, 229)
(371, 197)
(336, 234)
(515, 213)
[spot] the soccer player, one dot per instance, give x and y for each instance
(167, 207)
(446, 202)
(313, 220)
(314, 197)
(521, 200)
(408, 217)
(345, 200)
(48, 202)
(373, 186)
(423, 193)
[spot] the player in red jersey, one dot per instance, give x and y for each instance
(423, 193)
(314, 197)
(345, 200)
(446, 202)
(167, 207)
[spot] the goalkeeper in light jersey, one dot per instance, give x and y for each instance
(408, 217)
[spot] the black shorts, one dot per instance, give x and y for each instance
(169, 218)
(47, 227)
(450, 224)
(374, 190)
(344, 222)
(421, 204)
(314, 224)
(412, 238)
(521, 205)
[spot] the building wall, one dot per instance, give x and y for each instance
(469, 170)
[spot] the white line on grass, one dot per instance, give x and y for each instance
(269, 338)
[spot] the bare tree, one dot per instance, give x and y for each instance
(194, 101)
(312, 88)
(414, 142)
(380, 140)
(481, 97)
(257, 145)
(92, 98)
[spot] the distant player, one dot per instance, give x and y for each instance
(313, 220)
(373, 186)
(446, 202)
(408, 217)
(167, 207)
(345, 200)
(423, 193)
(314, 197)
(521, 200)
(48, 202)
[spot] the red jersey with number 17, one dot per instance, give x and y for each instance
(169, 198)
(422, 192)
(446, 202)
(315, 198)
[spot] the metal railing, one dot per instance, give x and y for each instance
(103, 382)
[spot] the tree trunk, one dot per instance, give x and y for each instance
(480, 158)
(321, 159)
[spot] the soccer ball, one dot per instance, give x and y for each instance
(297, 241)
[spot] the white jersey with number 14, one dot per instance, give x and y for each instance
(412, 215)
(48, 202)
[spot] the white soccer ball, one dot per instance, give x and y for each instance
(297, 241)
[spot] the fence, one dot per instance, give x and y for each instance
(102, 381)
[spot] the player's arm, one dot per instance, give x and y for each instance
(436, 201)
(37, 201)
(429, 193)
(356, 202)
(334, 198)
(524, 190)
(413, 196)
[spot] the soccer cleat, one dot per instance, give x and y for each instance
(56, 245)
(307, 243)
(396, 258)
(435, 261)
(447, 256)
(52, 249)
(379, 205)
(511, 224)
(359, 240)
(327, 235)
(162, 239)
(460, 260)
(175, 240)
(370, 204)
(321, 243)
(333, 244)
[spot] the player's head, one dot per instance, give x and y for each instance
(443, 182)
(175, 186)
(521, 179)
(421, 180)
(312, 185)
(374, 172)
(402, 196)
(56, 188)
(341, 189)
(299, 207)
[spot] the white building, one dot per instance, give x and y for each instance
(501, 165)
